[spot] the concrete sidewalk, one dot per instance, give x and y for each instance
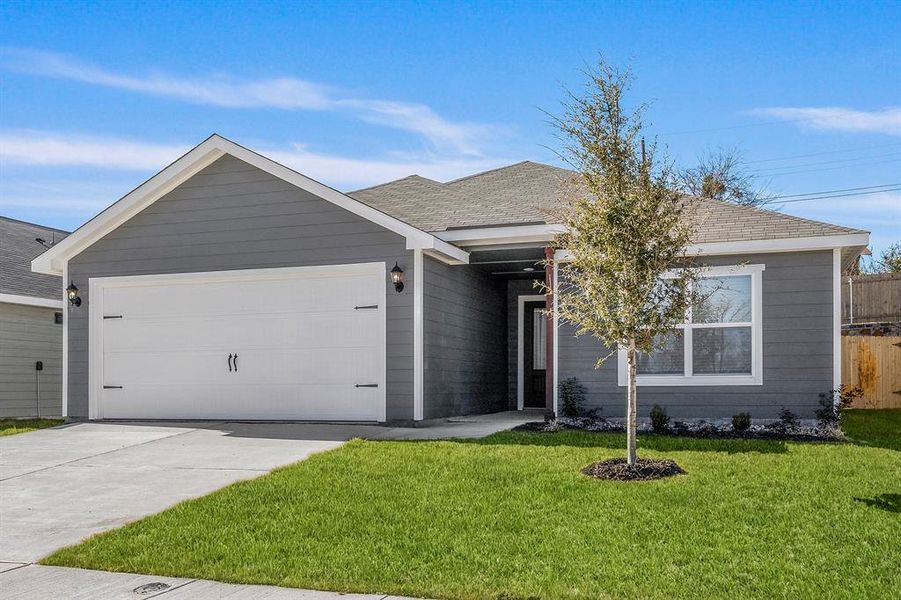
(27, 581)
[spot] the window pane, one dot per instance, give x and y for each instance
(721, 350)
(539, 336)
(669, 360)
(724, 300)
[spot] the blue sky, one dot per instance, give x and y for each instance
(96, 97)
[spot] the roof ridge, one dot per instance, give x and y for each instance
(465, 177)
(378, 185)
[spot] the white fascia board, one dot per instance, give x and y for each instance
(204, 154)
(491, 236)
(31, 301)
(823, 242)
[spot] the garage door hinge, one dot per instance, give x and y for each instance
(366, 307)
(112, 316)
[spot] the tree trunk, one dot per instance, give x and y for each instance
(632, 409)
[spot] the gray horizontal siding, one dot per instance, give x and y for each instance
(464, 341)
(234, 216)
(28, 334)
(797, 350)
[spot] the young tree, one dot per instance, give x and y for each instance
(720, 175)
(889, 261)
(627, 227)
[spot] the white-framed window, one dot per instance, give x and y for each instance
(721, 340)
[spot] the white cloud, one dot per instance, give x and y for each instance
(42, 149)
(37, 148)
(283, 93)
(887, 120)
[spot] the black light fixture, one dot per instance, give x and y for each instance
(397, 278)
(72, 293)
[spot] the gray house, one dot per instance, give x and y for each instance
(31, 331)
(228, 286)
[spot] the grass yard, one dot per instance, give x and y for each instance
(511, 517)
(14, 426)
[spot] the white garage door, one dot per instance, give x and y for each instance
(305, 343)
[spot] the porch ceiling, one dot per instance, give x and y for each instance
(510, 263)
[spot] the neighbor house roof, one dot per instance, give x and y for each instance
(528, 192)
(17, 248)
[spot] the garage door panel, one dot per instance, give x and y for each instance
(178, 367)
(309, 366)
(268, 402)
(254, 330)
(302, 347)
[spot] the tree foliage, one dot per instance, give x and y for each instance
(627, 226)
(721, 175)
(889, 261)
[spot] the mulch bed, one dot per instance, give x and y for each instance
(644, 469)
(773, 433)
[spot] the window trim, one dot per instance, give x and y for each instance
(756, 324)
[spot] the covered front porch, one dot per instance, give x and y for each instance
(521, 271)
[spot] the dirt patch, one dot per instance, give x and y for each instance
(644, 469)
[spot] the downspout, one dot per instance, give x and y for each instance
(851, 298)
(550, 375)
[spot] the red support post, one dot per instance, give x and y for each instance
(550, 375)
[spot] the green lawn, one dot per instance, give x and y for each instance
(511, 517)
(13, 426)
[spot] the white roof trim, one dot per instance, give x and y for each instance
(482, 237)
(492, 236)
(204, 154)
(823, 242)
(31, 301)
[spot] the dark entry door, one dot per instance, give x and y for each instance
(534, 368)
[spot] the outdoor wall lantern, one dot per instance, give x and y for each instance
(72, 293)
(397, 278)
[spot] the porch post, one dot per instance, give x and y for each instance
(550, 376)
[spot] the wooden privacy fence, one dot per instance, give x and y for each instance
(871, 298)
(873, 363)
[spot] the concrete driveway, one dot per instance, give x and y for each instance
(61, 485)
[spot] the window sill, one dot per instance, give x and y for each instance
(694, 380)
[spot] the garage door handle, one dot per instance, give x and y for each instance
(366, 385)
(229, 363)
(236, 362)
(366, 307)
(112, 387)
(112, 316)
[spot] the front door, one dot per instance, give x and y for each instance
(534, 354)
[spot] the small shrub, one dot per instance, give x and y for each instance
(572, 398)
(833, 403)
(659, 419)
(741, 421)
(788, 418)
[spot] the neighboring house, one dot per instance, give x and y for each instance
(31, 329)
(228, 286)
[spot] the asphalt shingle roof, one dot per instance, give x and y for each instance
(527, 192)
(17, 248)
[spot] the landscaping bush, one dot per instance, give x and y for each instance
(834, 402)
(572, 398)
(788, 418)
(659, 419)
(741, 421)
